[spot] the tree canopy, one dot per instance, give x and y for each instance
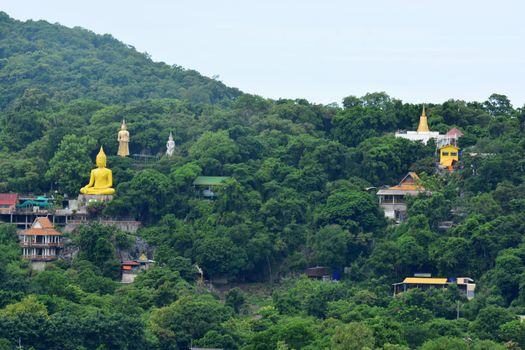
(300, 193)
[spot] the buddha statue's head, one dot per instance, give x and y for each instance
(123, 126)
(101, 158)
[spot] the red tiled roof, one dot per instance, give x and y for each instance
(40, 232)
(46, 230)
(8, 198)
(410, 182)
(454, 132)
(44, 222)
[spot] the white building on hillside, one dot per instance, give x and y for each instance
(422, 134)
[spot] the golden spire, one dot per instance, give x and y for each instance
(101, 157)
(423, 125)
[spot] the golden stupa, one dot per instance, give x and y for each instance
(423, 124)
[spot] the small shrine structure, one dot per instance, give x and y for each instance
(207, 185)
(130, 269)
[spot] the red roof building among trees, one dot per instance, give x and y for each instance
(8, 202)
(41, 242)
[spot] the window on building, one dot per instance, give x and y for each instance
(453, 154)
(445, 153)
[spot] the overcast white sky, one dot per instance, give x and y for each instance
(415, 50)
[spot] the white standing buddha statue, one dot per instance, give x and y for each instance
(170, 146)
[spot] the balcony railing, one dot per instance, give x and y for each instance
(41, 245)
(40, 257)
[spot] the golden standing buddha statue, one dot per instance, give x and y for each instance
(123, 140)
(101, 178)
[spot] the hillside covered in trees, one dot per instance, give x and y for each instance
(295, 198)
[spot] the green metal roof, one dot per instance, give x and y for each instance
(210, 180)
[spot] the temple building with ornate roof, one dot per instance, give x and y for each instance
(41, 242)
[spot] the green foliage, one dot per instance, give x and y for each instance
(13, 276)
(144, 197)
(188, 318)
(215, 340)
(308, 297)
(386, 159)
(70, 166)
(5, 344)
(214, 145)
(300, 194)
(489, 321)
(21, 174)
(96, 246)
(219, 256)
(28, 306)
(352, 210)
(513, 331)
(443, 343)
(330, 246)
(69, 63)
(235, 299)
(353, 336)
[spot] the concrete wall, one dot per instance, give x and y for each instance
(390, 209)
(38, 265)
(124, 225)
(128, 277)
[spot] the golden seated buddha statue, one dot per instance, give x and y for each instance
(101, 178)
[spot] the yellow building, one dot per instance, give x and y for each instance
(466, 285)
(447, 155)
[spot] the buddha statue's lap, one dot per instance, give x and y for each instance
(97, 191)
(101, 179)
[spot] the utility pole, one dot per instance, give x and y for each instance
(457, 311)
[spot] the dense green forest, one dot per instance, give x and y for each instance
(295, 199)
